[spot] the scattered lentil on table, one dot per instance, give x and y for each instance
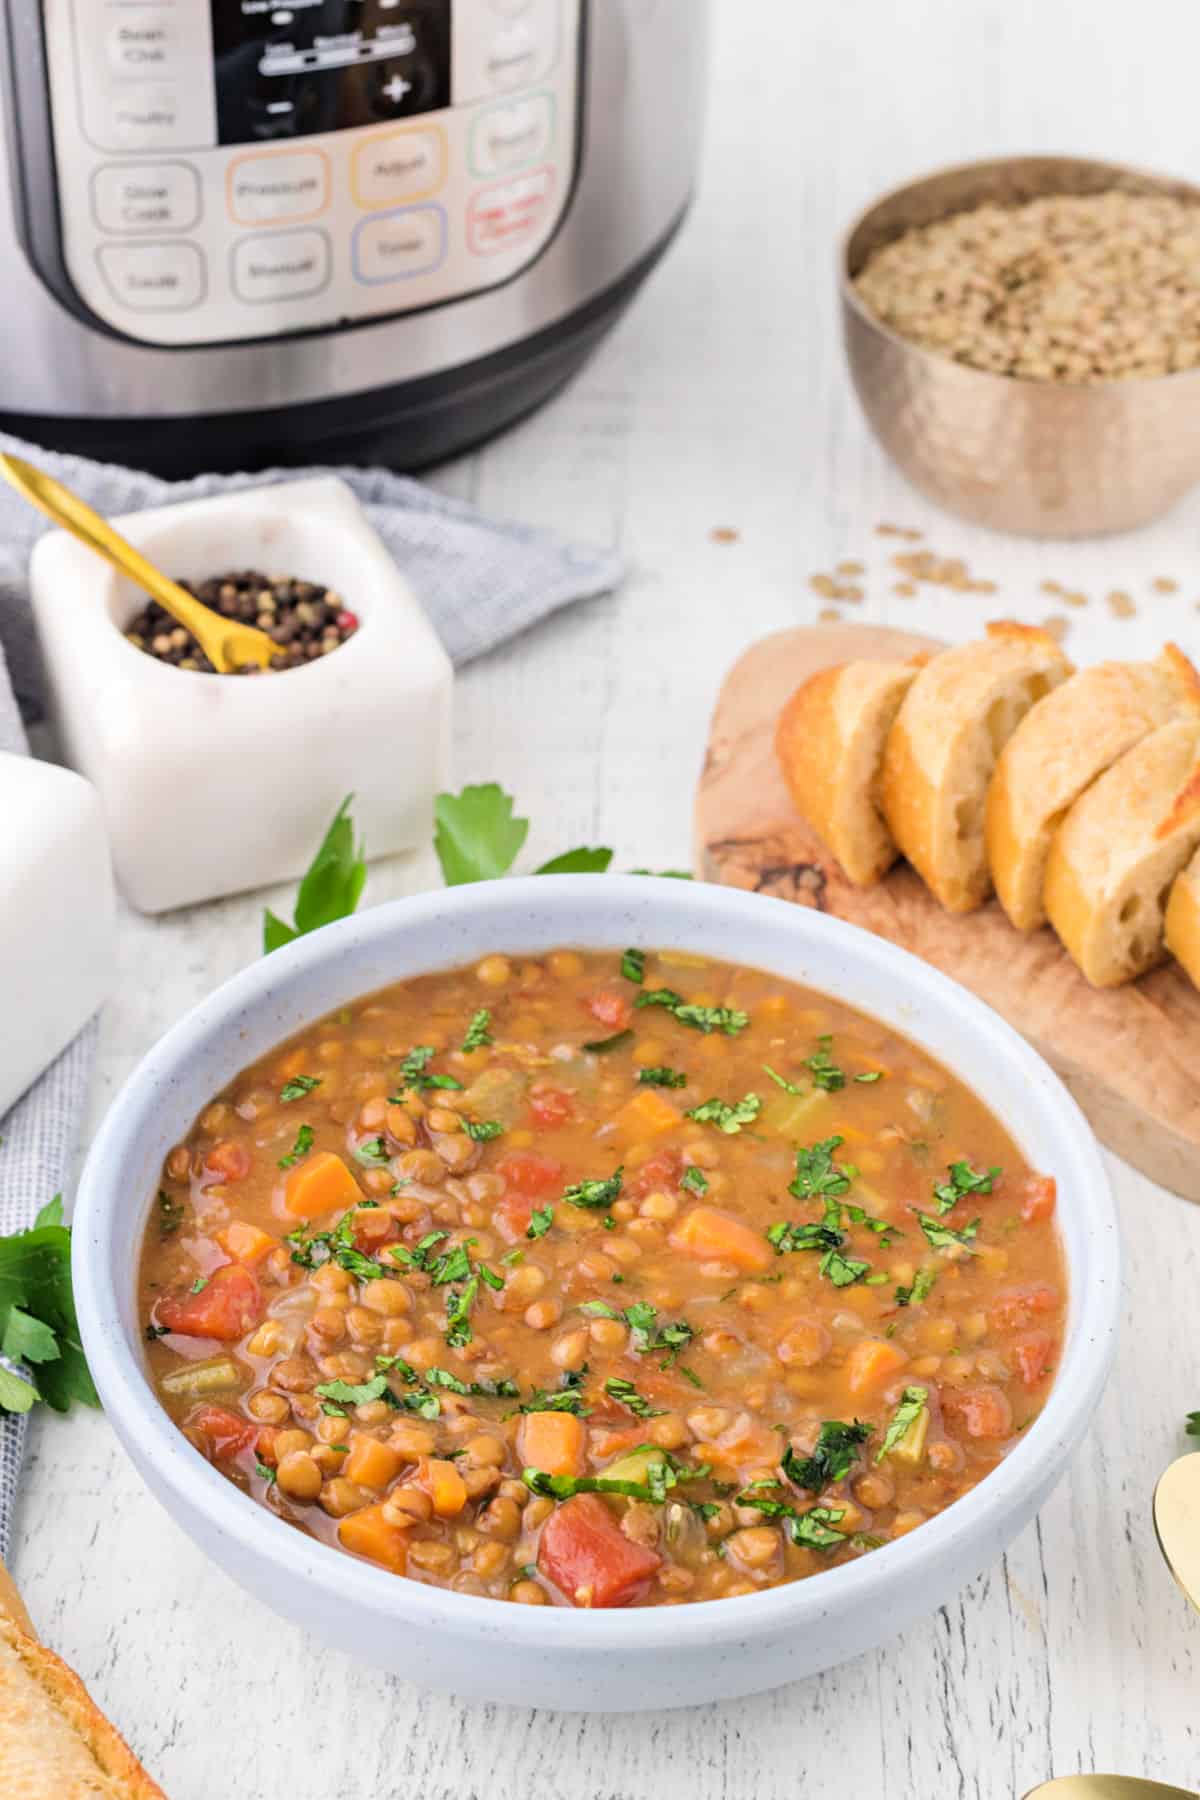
(601, 1280)
(304, 618)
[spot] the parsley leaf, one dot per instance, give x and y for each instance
(817, 1175)
(567, 1400)
(298, 1086)
(479, 1030)
(459, 1302)
(661, 1077)
(351, 1393)
(789, 1087)
(336, 1246)
(301, 1147)
(913, 1402)
(264, 1471)
(37, 1317)
(477, 837)
(702, 1018)
(414, 1072)
(1193, 1424)
(577, 862)
(942, 1237)
(824, 1071)
(593, 1195)
(834, 1454)
(694, 1179)
(922, 1281)
(600, 1046)
(828, 1237)
(812, 1529)
(662, 1474)
(625, 1394)
(726, 1118)
(331, 889)
(633, 966)
(540, 1221)
(372, 1151)
(963, 1180)
(483, 1130)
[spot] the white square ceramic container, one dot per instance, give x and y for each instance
(212, 784)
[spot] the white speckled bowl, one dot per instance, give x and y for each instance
(550, 1656)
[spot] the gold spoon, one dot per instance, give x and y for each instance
(1107, 1787)
(1177, 1522)
(227, 644)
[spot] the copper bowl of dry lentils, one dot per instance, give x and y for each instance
(1024, 337)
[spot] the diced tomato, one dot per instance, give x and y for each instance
(373, 1227)
(527, 1173)
(611, 1008)
(227, 1432)
(1018, 1307)
(226, 1307)
(228, 1161)
(982, 1412)
(550, 1106)
(512, 1214)
(264, 1447)
(1036, 1356)
(659, 1171)
(1038, 1196)
(588, 1557)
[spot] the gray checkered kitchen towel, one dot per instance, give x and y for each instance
(479, 582)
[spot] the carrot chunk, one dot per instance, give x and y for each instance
(589, 1559)
(871, 1362)
(371, 1463)
(715, 1236)
(367, 1533)
(554, 1442)
(1038, 1196)
(319, 1184)
(444, 1485)
(246, 1243)
(648, 1114)
(226, 1307)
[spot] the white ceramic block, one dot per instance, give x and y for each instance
(57, 917)
(212, 784)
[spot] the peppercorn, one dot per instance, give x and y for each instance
(303, 618)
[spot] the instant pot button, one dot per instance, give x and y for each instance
(147, 118)
(400, 165)
(394, 246)
(153, 277)
(504, 215)
(265, 190)
(512, 134)
(145, 44)
(513, 58)
(281, 265)
(145, 197)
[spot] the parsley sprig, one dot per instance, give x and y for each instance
(39, 1333)
(702, 1018)
(595, 1196)
(963, 1180)
(331, 888)
(726, 1117)
(834, 1455)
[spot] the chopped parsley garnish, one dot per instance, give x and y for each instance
(789, 1087)
(661, 1077)
(352, 1393)
(702, 1018)
(298, 1086)
(812, 1529)
(198, 1286)
(826, 1236)
(452, 1265)
(817, 1175)
(834, 1454)
(414, 1072)
(459, 1302)
(725, 1117)
(264, 1471)
(883, 1230)
(301, 1147)
(154, 1332)
(540, 1221)
(170, 1214)
(601, 1046)
(661, 1476)
(694, 1179)
(372, 1151)
(691, 1375)
(625, 1394)
(479, 1030)
(483, 1130)
(336, 1246)
(922, 1281)
(963, 1180)
(867, 1076)
(567, 1400)
(646, 1335)
(824, 1071)
(943, 1237)
(494, 1281)
(913, 1402)
(592, 1195)
(633, 966)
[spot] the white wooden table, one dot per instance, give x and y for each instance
(721, 401)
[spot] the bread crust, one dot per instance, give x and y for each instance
(829, 742)
(942, 750)
(1182, 924)
(1059, 748)
(1121, 846)
(55, 1743)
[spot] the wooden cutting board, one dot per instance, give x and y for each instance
(1130, 1055)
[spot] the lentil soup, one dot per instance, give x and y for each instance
(601, 1280)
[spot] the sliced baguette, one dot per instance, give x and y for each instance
(1183, 919)
(55, 1744)
(1058, 749)
(829, 742)
(1119, 849)
(955, 719)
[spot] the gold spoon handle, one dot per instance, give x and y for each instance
(220, 639)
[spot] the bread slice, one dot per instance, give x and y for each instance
(956, 718)
(1119, 849)
(55, 1744)
(1061, 746)
(1183, 919)
(829, 742)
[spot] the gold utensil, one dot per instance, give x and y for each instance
(1107, 1787)
(227, 644)
(1048, 458)
(1177, 1523)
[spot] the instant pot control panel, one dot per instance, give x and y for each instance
(246, 168)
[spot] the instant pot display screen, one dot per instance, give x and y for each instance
(306, 66)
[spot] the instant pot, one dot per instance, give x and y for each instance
(245, 231)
